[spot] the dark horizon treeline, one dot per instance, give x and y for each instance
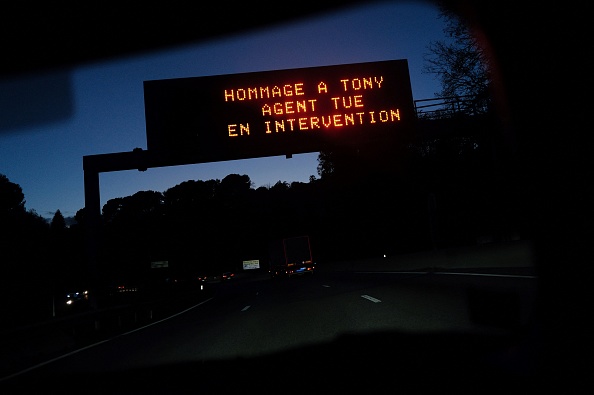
(450, 191)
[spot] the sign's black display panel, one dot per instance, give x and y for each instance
(281, 112)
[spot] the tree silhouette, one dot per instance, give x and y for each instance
(12, 198)
(79, 217)
(133, 228)
(24, 242)
(461, 64)
(58, 223)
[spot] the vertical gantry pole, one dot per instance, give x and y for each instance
(92, 231)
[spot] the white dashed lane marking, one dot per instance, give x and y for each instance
(374, 300)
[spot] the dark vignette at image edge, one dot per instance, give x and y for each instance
(548, 152)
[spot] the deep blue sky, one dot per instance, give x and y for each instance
(108, 113)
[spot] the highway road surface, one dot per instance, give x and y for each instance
(332, 330)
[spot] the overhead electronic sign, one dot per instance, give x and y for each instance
(281, 112)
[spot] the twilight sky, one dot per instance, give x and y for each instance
(108, 103)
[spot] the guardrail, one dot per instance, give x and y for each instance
(447, 107)
(29, 345)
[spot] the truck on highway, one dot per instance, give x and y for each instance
(291, 257)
